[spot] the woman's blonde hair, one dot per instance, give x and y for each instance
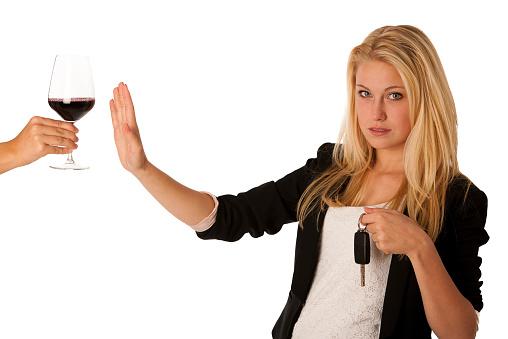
(430, 153)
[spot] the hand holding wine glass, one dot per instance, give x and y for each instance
(71, 93)
(126, 132)
(40, 136)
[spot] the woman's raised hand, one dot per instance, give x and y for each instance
(41, 136)
(127, 138)
(188, 205)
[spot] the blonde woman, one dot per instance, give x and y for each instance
(394, 170)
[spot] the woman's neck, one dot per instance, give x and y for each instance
(389, 161)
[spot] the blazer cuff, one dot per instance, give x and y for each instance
(207, 222)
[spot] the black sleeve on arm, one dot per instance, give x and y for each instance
(268, 207)
(466, 219)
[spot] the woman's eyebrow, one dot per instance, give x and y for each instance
(392, 87)
(386, 89)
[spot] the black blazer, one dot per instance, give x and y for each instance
(268, 207)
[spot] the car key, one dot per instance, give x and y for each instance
(362, 249)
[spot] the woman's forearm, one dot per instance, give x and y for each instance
(187, 205)
(448, 312)
(7, 158)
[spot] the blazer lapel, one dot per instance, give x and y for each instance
(306, 254)
(395, 292)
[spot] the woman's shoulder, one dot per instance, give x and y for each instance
(325, 151)
(463, 193)
(462, 184)
(324, 157)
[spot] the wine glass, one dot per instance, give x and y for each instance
(71, 94)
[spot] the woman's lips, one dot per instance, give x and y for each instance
(378, 132)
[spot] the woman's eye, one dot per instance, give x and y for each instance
(364, 94)
(395, 96)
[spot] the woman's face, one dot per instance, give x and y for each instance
(382, 105)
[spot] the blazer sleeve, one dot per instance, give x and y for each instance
(465, 230)
(268, 207)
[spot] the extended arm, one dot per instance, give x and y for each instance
(185, 204)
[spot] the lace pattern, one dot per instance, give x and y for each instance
(337, 306)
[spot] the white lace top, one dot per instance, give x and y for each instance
(337, 306)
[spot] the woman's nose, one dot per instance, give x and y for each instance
(378, 111)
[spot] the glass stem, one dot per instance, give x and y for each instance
(70, 160)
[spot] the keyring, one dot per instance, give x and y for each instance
(361, 227)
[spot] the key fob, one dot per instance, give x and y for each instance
(362, 247)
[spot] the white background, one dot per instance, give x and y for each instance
(229, 94)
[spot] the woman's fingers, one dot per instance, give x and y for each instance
(122, 108)
(57, 132)
(53, 140)
(129, 106)
(116, 117)
(375, 216)
(57, 150)
(119, 111)
(127, 139)
(45, 131)
(59, 124)
(392, 231)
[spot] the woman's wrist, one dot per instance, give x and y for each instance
(421, 249)
(8, 158)
(144, 172)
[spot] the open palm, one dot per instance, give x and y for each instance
(126, 132)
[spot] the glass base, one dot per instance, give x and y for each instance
(70, 165)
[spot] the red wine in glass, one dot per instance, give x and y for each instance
(71, 94)
(72, 110)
